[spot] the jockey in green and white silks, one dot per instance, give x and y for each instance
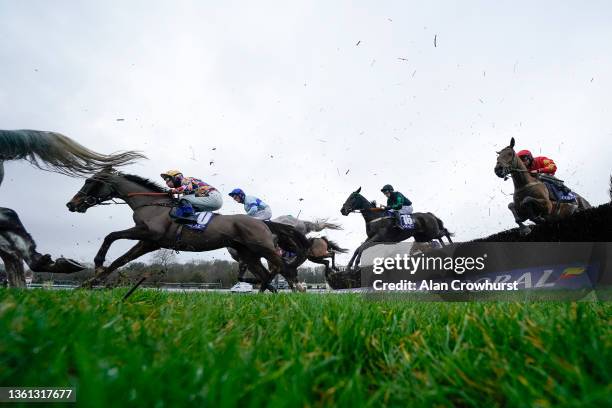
(197, 194)
(399, 204)
(253, 206)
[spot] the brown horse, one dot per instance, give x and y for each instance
(531, 199)
(154, 229)
(319, 251)
(53, 152)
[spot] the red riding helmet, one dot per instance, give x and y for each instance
(525, 153)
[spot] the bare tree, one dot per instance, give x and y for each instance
(164, 258)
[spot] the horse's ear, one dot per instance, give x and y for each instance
(358, 190)
(512, 143)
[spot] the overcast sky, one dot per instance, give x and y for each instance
(308, 100)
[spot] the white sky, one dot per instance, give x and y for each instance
(288, 80)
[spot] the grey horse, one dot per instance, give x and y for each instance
(52, 152)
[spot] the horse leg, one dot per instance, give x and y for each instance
(242, 266)
(350, 264)
(135, 233)
(138, 250)
(14, 270)
(534, 208)
(20, 242)
(523, 229)
(254, 264)
(367, 244)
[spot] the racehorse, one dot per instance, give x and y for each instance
(381, 227)
(52, 152)
(154, 229)
(319, 248)
(319, 251)
(531, 199)
(322, 249)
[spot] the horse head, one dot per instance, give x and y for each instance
(355, 201)
(97, 189)
(507, 161)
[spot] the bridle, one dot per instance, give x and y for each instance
(92, 201)
(512, 167)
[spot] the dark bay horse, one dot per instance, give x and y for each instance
(320, 251)
(154, 229)
(52, 152)
(531, 199)
(380, 227)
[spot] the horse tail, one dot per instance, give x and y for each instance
(291, 240)
(56, 152)
(334, 246)
(320, 224)
(443, 229)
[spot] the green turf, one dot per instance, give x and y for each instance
(210, 349)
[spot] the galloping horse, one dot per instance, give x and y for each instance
(154, 229)
(319, 248)
(380, 227)
(531, 200)
(319, 251)
(53, 152)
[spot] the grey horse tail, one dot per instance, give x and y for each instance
(320, 224)
(292, 240)
(334, 246)
(58, 153)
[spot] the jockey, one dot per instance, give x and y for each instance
(253, 206)
(544, 168)
(538, 164)
(197, 195)
(397, 203)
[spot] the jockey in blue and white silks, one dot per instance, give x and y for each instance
(253, 206)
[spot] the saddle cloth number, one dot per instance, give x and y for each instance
(406, 221)
(204, 218)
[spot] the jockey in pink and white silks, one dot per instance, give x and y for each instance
(196, 194)
(253, 206)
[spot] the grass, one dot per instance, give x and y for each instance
(210, 349)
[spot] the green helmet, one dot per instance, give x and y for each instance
(387, 187)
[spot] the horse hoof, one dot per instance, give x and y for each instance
(525, 231)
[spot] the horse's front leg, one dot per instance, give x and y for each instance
(536, 209)
(135, 233)
(519, 219)
(138, 250)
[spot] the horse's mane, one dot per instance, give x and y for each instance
(145, 182)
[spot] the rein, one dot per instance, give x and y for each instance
(147, 194)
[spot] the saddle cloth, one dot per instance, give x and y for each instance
(562, 195)
(406, 222)
(202, 220)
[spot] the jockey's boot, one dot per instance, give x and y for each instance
(184, 213)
